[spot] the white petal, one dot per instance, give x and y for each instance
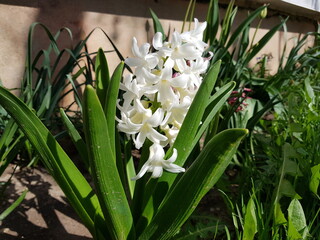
(156, 119)
(139, 140)
(173, 168)
(143, 170)
(157, 172)
(135, 48)
(155, 136)
(135, 62)
(180, 81)
(176, 40)
(157, 41)
(173, 156)
(181, 64)
(150, 77)
(152, 61)
(140, 108)
(144, 49)
(156, 152)
(189, 51)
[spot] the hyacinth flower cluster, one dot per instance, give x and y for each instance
(158, 94)
(239, 98)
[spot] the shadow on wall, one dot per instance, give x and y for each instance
(137, 8)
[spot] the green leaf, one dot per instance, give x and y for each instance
(257, 115)
(193, 185)
(200, 227)
(285, 187)
(156, 24)
(279, 217)
(243, 43)
(243, 25)
(45, 102)
(262, 42)
(191, 123)
(75, 87)
(110, 103)
(288, 190)
(189, 13)
(315, 179)
(309, 93)
(215, 104)
(103, 165)
(59, 165)
(227, 23)
(102, 76)
(250, 221)
(11, 152)
(183, 142)
(292, 168)
(15, 204)
(76, 138)
(297, 226)
(212, 22)
(130, 169)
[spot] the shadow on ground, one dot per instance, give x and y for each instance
(45, 212)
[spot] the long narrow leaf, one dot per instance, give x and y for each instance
(212, 22)
(110, 103)
(157, 25)
(102, 161)
(15, 204)
(194, 184)
(217, 101)
(263, 41)
(102, 76)
(76, 138)
(183, 142)
(243, 25)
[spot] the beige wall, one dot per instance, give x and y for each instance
(121, 19)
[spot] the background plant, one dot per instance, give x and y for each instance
(278, 159)
(49, 77)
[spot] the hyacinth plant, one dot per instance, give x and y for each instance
(163, 109)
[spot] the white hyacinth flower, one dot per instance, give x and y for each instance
(195, 36)
(143, 123)
(143, 60)
(158, 95)
(156, 163)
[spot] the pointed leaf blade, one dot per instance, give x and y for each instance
(102, 162)
(194, 184)
(102, 76)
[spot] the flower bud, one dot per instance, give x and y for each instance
(264, 13)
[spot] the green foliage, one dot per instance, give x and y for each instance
(108, 185)
(200, 226)
(250, 227)
(297, 226)
(15, 204)
(194, 184)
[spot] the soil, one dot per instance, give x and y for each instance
(45, 212)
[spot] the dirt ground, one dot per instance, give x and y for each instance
(45, 212)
